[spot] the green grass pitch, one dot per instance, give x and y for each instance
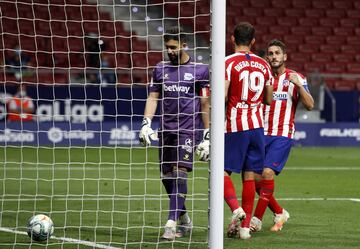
(113, 198)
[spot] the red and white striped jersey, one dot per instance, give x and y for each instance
(280, 115)
(248, 75)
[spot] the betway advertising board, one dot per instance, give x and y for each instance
(125, 134)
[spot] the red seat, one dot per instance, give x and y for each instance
(298, 67)
(341, 4)
(343, 31)
(357, 31)
(74, 28)
(252, 12)
(237, 3)
(311, 66)
(299, 57)
(308, 48)
(349, 49)
(350, 22)
(9, 25)
(353, 68)
(294, 13)
(353, 13)
(335, 40)
(286, 21)
(335, 13)
(122, 60)
(330, 83)
(279, 31)
(260, 4)
(314, 39)
(321, 4)
(310, 22)
(76, 44)
(357, 5)
(345, 85)
(303, 4)
(345, 58)
(330, 49)
(321, 58)
(329, 22)
(353, 40)
(275, 12)
(301, 30)
(27, 43)
(324, 31)
(26, 26)
(265, 21)
(291, 39)
(315, 13)
(357, 57)
(281, 4)
(139, 45)
(335, 67)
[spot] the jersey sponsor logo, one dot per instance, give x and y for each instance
(175, 88)
(280, 95)
(188, 76)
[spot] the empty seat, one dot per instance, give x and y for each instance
(281, 4)
(303, 4)
(343, 31)
(301, 30)
(294, 13)
(345, 85)
(286, 21)
(330, 82)
(279, 31)
(350, 22)
(314, 39)
(330, 49)
(324, 31)
(335, 67)
(308, 48)
(266, 21)
(122, 60)
(275, 12)
(357, 58)
(329, 22)
(310, 22)
(291, 39)
(341, 4)
(353, 68)
(335, 40)
(335, 13)
(252, 12)
(321, 4)
(345, 58)
(349, 49)
(299, 57)
(353, 13)
(353, 40)
(298, 67)
(322, 58)
(311, 66)
(260, 4)
(315, 13)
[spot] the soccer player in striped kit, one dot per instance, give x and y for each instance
(290, 87)
(248, 84)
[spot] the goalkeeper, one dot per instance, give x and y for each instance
(182, 86)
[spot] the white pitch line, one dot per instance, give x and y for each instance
(165, 198)
(75, 241)
(11, 168)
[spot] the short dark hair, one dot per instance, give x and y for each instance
(244, 33)
(278, 43)
(175, 33)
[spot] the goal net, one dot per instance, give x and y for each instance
(73, 90)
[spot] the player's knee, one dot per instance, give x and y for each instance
(268, 174)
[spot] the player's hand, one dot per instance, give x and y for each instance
(203, 149)
(146, 133)
(294, 79)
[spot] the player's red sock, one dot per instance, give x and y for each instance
(230, 194)
(274, 205)
(258, 187)
(266, 192)
(248, 196)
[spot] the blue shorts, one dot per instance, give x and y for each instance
(176, 149)
(245, 151)
(277, 151)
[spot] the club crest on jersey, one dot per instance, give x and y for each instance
(286, 82)
(188, 145)
(166, 76)
(188, 76)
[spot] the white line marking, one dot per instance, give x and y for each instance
(75, 241)
(103, 167)
(138, 198)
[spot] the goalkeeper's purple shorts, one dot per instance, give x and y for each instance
(277, 150)
(245, 151)
(176, 150)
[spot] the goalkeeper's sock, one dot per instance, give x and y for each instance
(266, 192)
(179, 191)
(248, 196)
(274, 206)
(168, 184)
(230, 194)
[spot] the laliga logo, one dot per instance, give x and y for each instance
(76, 113)
(55, 135)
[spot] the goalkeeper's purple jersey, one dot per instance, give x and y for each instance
(180, 88)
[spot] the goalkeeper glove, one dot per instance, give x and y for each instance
(203, 149)
(146, 133)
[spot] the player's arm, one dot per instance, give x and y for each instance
(205, 111)
(146, 132)
(305, 96)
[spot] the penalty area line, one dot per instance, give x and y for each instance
(70, 240)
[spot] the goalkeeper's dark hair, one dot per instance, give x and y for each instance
(175, 33)
(244, 33)
(278, 43)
